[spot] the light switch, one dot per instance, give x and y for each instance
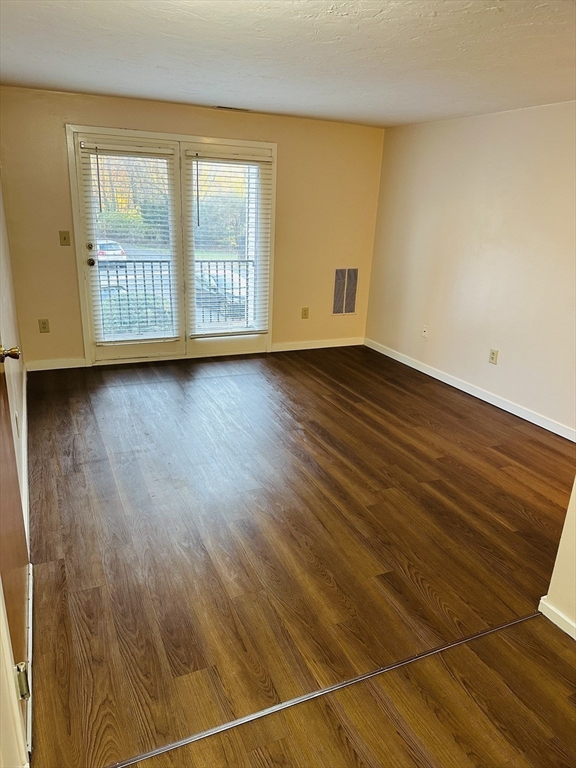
(64, 237)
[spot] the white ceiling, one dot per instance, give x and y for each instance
(382, 62)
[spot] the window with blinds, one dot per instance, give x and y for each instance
(228, 211)
(129, 212)
(174, 242)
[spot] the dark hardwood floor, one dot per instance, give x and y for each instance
(213, 537)
(502, 701)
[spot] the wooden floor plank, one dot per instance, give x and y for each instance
(237, 532)
(145, 667)
(43, 470)
(104, 698)
(55, 676)
(81, 526)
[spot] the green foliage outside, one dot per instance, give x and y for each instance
(131, 228)
(136, 213)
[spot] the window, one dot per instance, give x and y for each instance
(228, 212)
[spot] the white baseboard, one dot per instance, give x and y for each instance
(283, 346)
(481, 394)
(557, 617)
(288, 346)
(53, 365)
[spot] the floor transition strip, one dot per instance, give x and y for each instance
(315, 694)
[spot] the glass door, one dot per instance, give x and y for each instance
(130, 206)
(227, 222)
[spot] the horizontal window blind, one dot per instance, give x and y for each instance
(129, 210)
(228, 214)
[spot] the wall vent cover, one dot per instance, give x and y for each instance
(345, 285)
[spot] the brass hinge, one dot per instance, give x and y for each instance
(22, 676)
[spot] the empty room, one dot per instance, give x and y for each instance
(288, 383)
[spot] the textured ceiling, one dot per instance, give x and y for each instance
(382, 62)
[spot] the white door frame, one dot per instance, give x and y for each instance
(13, 742)
(214, 346)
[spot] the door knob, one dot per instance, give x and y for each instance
(13, 352)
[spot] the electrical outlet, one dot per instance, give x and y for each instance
(64, 237)
(425, 331)
(44, 325)
(305, 313)
(493, 357)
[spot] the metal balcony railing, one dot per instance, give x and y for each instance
(224, 294)
(138, 297)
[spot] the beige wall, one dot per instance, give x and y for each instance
(327, 191)
(475, 238)
(560, 603)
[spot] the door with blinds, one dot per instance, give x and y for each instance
(227, 198)
(175, 245)
(131, 250)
